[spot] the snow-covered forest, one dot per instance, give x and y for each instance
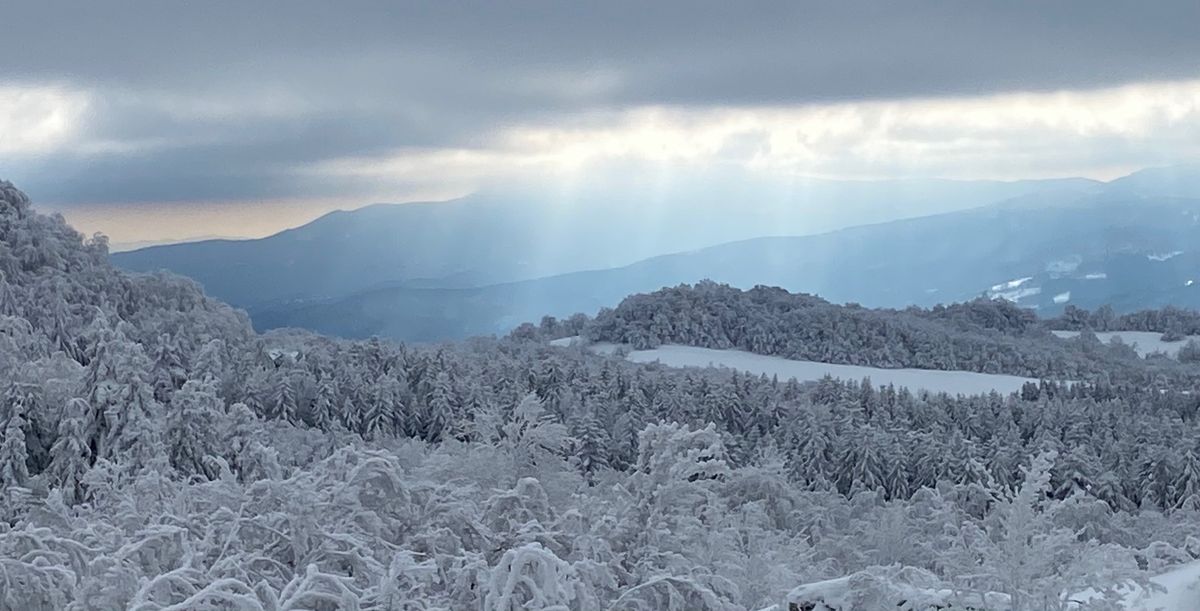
(1169, 320)
(983, 335)
(158, 454)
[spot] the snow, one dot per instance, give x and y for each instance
(1013, 290)
(1062, 297)
(1018, 294)
(951, 382)
(1011, 284)
(1096, 276)
(564, 342)
(886, 586)
(1182, 591)
(1063, 267)
(1178, 590)
(1145, 342)
(1189, 283)
(1165, 256)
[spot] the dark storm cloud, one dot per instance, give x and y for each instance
(365, 77)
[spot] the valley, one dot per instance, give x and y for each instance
(135, 399)
(1115, 252)
(600, 306)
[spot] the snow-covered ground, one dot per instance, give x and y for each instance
(1182, 585)
(1144, 341)
(953, 382)
(1179, 590)
(1165, 256)
(1014, 290)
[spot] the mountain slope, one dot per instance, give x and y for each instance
(495, 238)
(1096, 249)
(156, 454)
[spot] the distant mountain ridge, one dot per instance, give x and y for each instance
(496, 238)
(959, 256)
(1071, 244)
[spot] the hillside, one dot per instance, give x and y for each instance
(493, 238)
(981, 336)
(1042, 251)
(156, 454)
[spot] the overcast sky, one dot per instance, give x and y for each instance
(157, 120)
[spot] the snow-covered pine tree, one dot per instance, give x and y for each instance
(193, 427)
(14, 455)
(70, 457)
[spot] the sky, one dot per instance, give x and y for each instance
(171, 120)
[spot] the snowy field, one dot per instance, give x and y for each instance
(1182, 585)
(952, 382)
(1145, 342)
(1177, 590)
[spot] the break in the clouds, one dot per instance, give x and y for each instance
(295, 107)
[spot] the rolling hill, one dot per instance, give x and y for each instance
(493, 238)
(1125, 250)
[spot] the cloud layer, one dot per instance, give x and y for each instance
(107, 105)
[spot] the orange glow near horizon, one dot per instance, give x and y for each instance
(143, 224)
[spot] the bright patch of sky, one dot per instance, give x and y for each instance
(323, 107)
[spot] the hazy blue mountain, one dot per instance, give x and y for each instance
(1128, 281)
(1130, 251)
(1175, 181)
(493, 238)
(485, 264)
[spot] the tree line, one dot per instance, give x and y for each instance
(156, 454)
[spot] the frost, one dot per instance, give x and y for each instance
(157, 454)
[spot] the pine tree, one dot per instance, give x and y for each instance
(1186, 486)
(441, 407)
(1157, 481)
(167, 373)
(71, 453)
(351, 413)
(591, 444)
(1074, 473)
(282, 404)
(813, 449)
(8, 297)
(193, 427)
(135, 421)
(862, 467)
(209, 362)
(14, 455)
(380, 410)
(324, 411)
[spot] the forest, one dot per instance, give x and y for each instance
(1169, 320)
(156, 453)
(986, 336)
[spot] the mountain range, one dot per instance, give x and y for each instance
(492, 237)
(484, 264)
